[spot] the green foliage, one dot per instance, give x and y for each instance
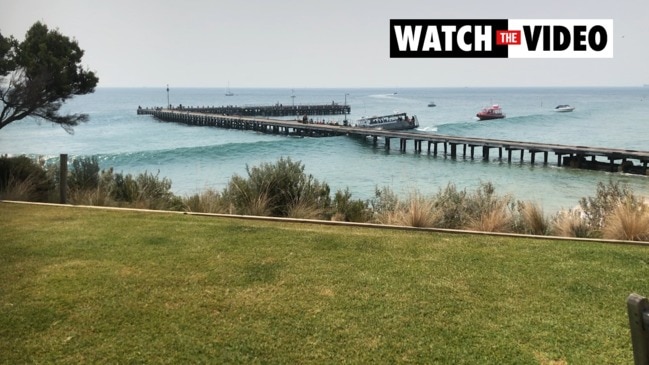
(22, 178)
(450, 208)
(39, 74)
(145, 190)
(7, 54)
(451, 205)
(275, 189)
(123, 188)
(84, 174)
(350, 210)
(283, 189)
(384, 202)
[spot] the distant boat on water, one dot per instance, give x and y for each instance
(228, 92)
(432, 103)
(564, 108)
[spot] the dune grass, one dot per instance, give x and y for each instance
(82, 285)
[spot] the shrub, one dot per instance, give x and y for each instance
(146, 190)
(450, 204)
(273, 189)
(22, 178)
(101, 195)
(571, 223)
(304, 210)
(346, 209)
(84, 174)
(384, 204)
(607, 198)
(417, 211)
(531, 219)
(123, 188)
(481, 209)
(496, 218)
(208, 201)
(628, 221)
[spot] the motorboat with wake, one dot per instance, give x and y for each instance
(492, 112)
(564, 108)
(397, 121)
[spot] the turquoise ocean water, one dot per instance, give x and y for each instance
(197, 158)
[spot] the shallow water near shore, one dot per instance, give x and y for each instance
(198, 158)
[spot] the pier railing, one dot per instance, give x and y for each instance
(277, 110)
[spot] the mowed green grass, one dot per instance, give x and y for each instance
(82, 285)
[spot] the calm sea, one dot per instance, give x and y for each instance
(197, 158)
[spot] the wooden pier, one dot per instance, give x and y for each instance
(615, 160)
(257, 124)
(277, 110)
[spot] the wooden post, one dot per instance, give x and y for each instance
(638, 311)
(485, 153)
(63, 178)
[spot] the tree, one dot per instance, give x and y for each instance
(39, 74)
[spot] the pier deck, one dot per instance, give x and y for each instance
(277, 110)
(616, 160)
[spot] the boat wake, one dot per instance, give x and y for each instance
(384, 96)
(428, 129)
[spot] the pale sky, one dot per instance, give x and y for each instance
(308, 43)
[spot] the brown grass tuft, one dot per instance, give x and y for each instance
(258, 206)
(627, 221)
(534, 220)
(571, 224)
(23, 190)
(208, 201)
(417, 211)
(304, 210)
(498, 219)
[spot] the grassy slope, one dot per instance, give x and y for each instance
(84, 285)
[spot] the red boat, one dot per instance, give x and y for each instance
(492, 112)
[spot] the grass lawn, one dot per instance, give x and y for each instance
(84, 285)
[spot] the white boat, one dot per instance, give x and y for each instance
(396, 121)
(432, 103)
(564, 108)
(228, 92)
